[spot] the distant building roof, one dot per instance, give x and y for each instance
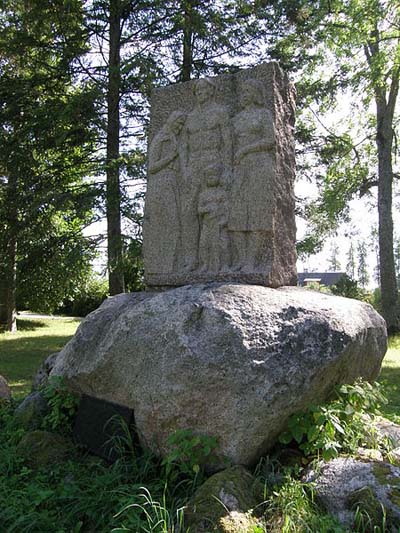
(324, 278)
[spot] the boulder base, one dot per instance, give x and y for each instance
(226, 360)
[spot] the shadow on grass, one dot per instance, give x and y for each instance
(29, 325)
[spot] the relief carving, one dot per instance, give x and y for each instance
(213, 184)
(252, 178)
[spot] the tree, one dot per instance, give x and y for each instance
(334, 263)
(45, 142)
(351, 262)
(397, 259)
(147, 43)
(362, 270)
(351, 47)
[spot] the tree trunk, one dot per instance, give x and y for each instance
(113, 199)
(3, 302)
(384, 139)
(187, 62)
(8, 266)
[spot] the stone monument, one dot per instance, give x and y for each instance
(220, 203)
(222, 355)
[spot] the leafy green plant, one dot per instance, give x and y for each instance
(339, 426)
(189, 453)
(62, 402)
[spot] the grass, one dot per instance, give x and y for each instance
(390, 377)
(22, 353)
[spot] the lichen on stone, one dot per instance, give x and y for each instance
(384, 474)
(365, 501)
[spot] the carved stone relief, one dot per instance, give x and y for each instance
(214, 166)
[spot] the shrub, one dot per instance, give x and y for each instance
(87, 299)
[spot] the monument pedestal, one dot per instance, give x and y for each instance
(231, 361)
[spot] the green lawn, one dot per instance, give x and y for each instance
(22, 353)
(390, 377)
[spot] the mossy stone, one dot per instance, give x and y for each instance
(31, 411)
(365, 500)
(234, 490)
(384, 475)
(41, 448)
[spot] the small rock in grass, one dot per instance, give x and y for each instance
(224, 502)
(41, 378)
(41, 448)
(31, 412)
(367, 491)
(5, 391)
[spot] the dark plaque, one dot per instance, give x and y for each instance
(101, 426)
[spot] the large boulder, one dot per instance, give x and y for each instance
(226, 360)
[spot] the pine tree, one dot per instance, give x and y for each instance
(334, 263)
(351, 262)
(362, 270)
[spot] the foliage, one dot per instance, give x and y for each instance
(362, 271)
(46, 140)
(292, 508)
(334, 263)
(189, 454)
(347, 287)
(347, 51)
(157, 517)
(87, 298)
(133, 266)
(134, 494)
(63, 405)
(338, 426)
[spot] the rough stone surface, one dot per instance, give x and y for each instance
(41, 378)
(224, 502)
(5, 391)
(344, 484)
(41, 448)
(220, 202)
(31, 411)
(226, 360)
(389, 429)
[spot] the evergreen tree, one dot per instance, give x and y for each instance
(45, 148)
(334, 263)
(351, 262)
(362, 270)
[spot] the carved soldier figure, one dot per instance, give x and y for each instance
(250, 216)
